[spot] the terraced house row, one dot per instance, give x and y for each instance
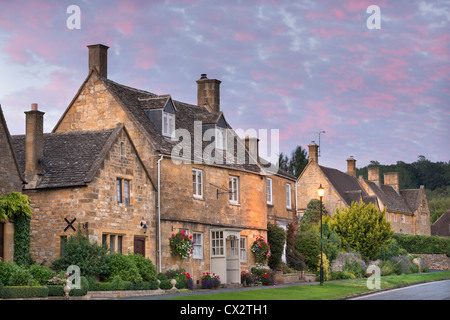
(112, 167)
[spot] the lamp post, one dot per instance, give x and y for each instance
(320, 192)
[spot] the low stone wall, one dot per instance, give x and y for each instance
(286, 278)
(342, 257)
(436, 261)
(99, 295)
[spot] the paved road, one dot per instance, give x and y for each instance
(438, 290)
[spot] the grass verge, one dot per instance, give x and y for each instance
(329, 291)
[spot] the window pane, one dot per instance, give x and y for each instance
(119, 244)
(199, 183)
(126, 187)
(119, 190)
(112, 242)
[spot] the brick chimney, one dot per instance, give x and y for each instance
(34, 144)
(98, 58)
(208, 93)
(252, 145)
(391, 179)
(351, 166)
(374, 175)
(313, 152)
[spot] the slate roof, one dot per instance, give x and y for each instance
(70, 158)
(136, 102)
(347, 186)
(390, 197)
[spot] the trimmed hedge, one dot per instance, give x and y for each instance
(423, 244)
(23, 292)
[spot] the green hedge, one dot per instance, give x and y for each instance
(23, 292)
(423, 244)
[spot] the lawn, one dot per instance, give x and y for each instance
(329, 291)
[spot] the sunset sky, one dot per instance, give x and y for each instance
(298, 66)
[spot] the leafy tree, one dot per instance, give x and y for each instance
(363, 227)
(296, 163)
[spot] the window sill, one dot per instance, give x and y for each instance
(235, 204)
(200, 198)
(270, 204)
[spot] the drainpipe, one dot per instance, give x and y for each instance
(296, 209)
(159, 212)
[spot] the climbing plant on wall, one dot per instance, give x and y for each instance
(16, 206)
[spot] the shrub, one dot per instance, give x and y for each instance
(165, 285)
(358, 269)
(83, 290)
(78, 250)
(338, 275)
(14, 292)
(41, 273)
(326, 266)
(6, 270)
(123, 266)
(263, 275)
(210, 281)
(363, 227)
(146, 268)
(389, 267)
(276, 236)
(21, 276)
(161, 276)
(423, 244)
(247, 278)
(308, 245)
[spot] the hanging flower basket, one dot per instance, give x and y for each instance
(261, 249)
(181, 245)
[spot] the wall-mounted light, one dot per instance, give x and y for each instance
(144, 226)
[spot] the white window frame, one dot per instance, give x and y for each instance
(234, 189)
(198, 185)
(217, 244)
(243, 249)
(168, 124)
(288, 196)
(269, 189)
(197, 238)
(221, 138)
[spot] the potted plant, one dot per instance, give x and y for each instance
(261, 249)
(181, 245)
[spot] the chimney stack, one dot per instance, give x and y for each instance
(208, 93)
(351, 166)
(391, 179)
(252, 145)
(313, 152)
(98, 58)
(373, 175)
(34, 144)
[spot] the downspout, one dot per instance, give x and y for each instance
(159, 213)
(296, 209)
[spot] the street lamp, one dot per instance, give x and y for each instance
(320, 192)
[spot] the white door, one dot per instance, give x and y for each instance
(232, 259)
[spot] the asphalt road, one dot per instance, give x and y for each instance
(438, 290)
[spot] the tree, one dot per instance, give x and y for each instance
(363, 227)
(295, 164)
(312, 212)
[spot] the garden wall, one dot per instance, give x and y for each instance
(436, 261)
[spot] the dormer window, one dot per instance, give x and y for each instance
(221, 138)
(168, 124)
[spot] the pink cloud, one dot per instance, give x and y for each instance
(240, 36)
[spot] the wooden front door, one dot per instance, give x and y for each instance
(2, 241)
(139, 246)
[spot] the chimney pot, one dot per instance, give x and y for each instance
(34, 107)
(203, 76)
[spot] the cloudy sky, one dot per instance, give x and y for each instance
(298, 66)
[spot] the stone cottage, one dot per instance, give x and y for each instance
(406, 210)
(11, 179)
(210, 183)
(89, 180)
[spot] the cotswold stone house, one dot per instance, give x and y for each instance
(89, 180)
(11, 179)
(406, 210)
(224, 204)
